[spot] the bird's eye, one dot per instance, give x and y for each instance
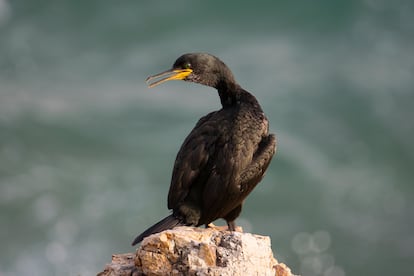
(187, 66)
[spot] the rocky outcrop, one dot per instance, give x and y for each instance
(198, 251)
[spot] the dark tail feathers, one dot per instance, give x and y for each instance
(166, 223)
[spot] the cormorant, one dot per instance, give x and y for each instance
(224, 156)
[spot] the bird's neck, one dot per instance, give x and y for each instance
(229, 93)
(233, 95)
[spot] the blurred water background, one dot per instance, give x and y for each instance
(86, 149)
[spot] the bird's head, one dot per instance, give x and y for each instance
(200, 68)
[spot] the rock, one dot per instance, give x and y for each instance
(198, 251)
(122, 265)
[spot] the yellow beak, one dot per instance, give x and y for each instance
(172, 74)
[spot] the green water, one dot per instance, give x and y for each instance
(86, 149)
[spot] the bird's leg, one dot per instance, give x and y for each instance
(231, 225)
(231, 219)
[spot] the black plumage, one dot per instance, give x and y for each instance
(225, 155)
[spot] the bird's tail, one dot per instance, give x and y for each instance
(167, 223)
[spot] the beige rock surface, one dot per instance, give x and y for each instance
(198, 251)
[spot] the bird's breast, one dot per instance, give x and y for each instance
(240, 136)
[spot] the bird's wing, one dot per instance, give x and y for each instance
(191, 160)
(253, 173)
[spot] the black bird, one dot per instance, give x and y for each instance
(224, 156)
